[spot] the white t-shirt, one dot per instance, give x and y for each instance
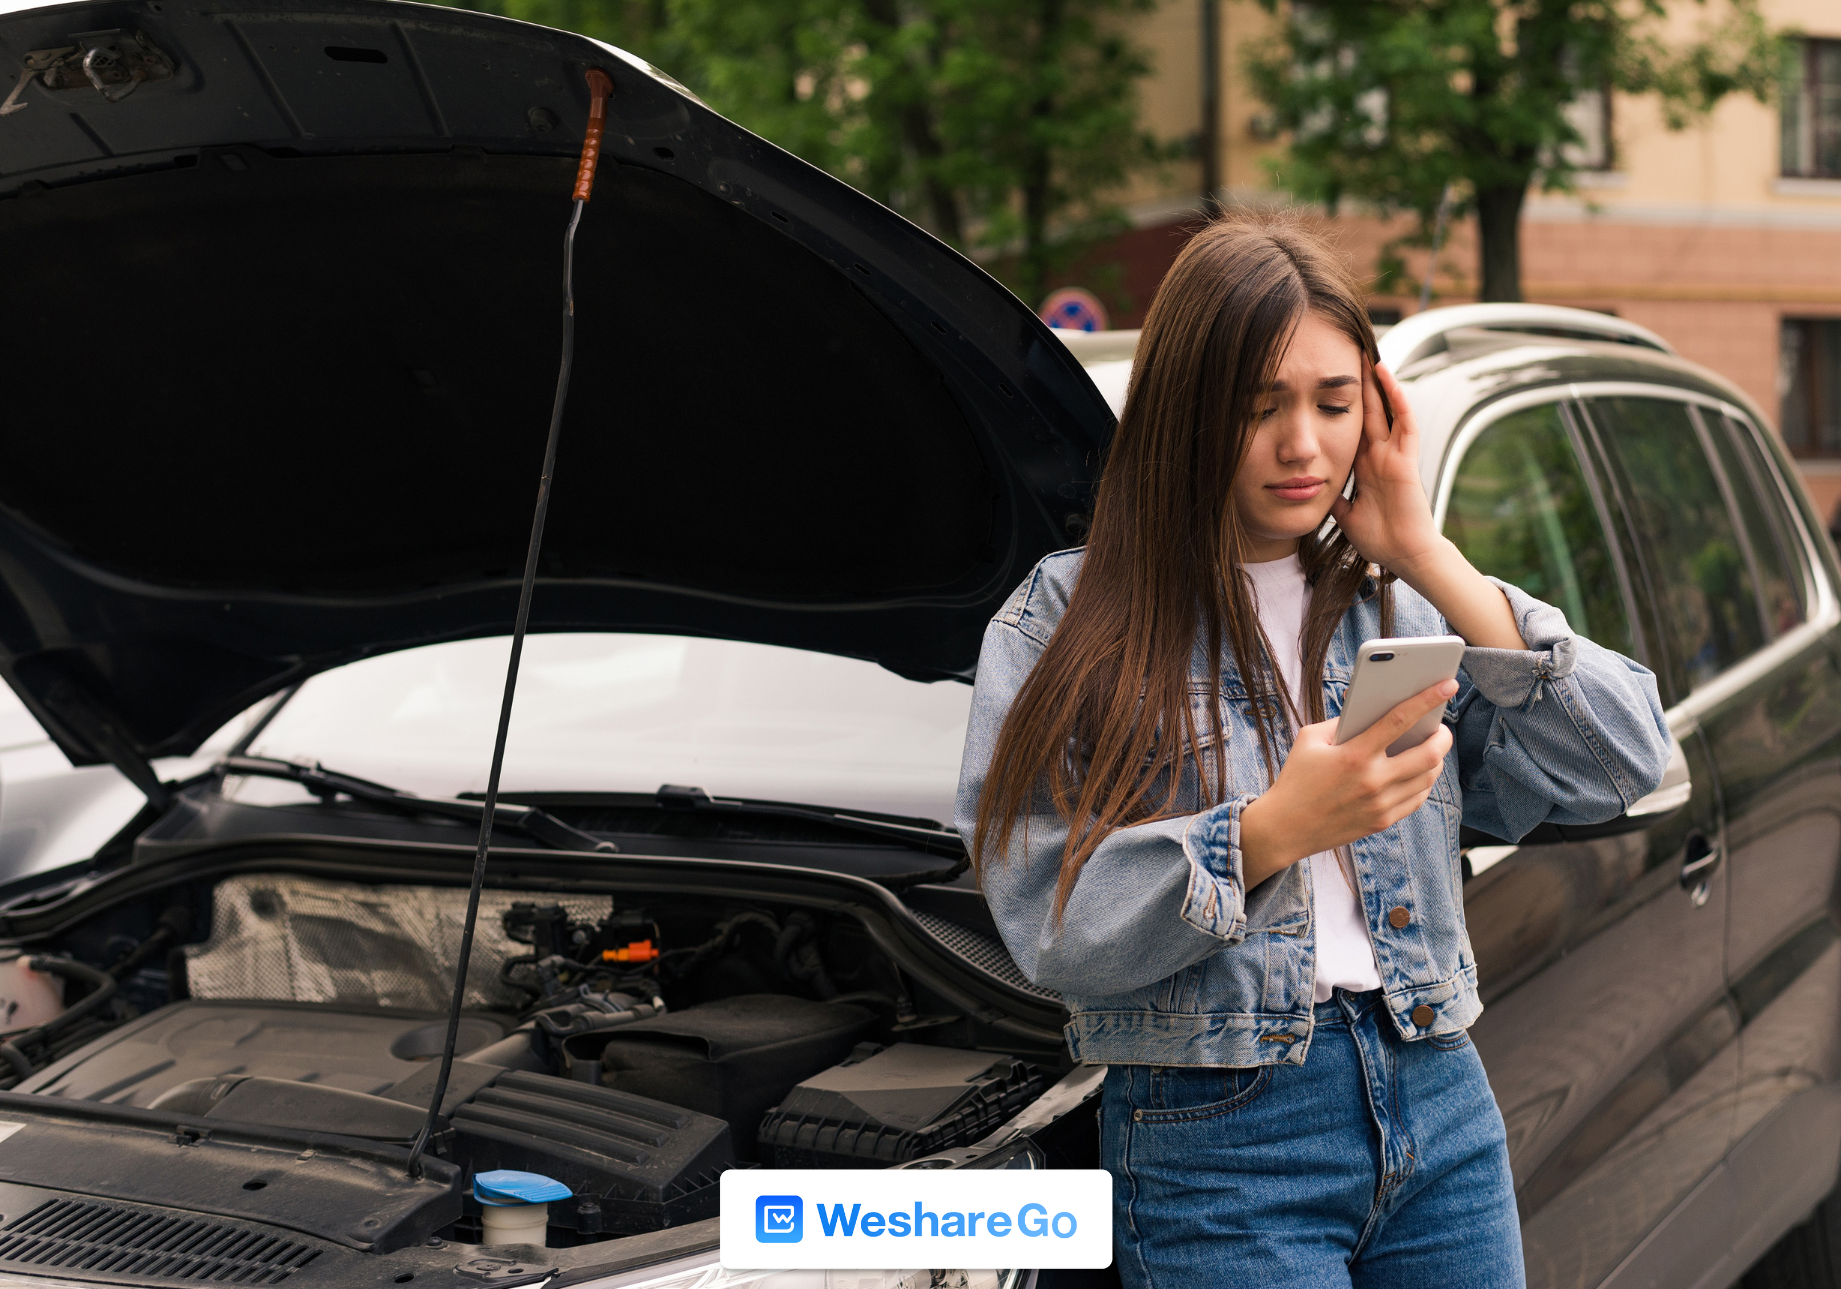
(1345, 953)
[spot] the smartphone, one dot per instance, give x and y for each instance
(1387, 673)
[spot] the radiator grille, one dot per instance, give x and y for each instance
(985, 952)
(108, 1239)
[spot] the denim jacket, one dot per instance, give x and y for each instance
(1165, 958)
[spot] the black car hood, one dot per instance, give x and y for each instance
(282, 331)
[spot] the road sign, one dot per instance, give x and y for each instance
(1073, 309)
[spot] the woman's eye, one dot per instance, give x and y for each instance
(1334, 409)
(1268, 411)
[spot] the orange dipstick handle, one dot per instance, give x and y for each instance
(601, 88)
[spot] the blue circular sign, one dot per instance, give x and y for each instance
(1073, 309)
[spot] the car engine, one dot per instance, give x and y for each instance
(632, 1053)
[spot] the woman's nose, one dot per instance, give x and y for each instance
(1297, 439)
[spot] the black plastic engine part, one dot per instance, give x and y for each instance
(589, 1010)
(889, 1105)
(344, 1189)
(732, 1059)
(635, 1164)
(287, 1103)
(366, 1050)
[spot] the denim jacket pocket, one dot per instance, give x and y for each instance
(1183, 1094)
(1198, 759)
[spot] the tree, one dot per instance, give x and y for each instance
(1000, 125)
(1402, 103)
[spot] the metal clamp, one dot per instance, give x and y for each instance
(113, 63)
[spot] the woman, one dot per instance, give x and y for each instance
(1259, 932)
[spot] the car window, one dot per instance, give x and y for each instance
(1706, 603)
(1521, 510)
(1775, 556)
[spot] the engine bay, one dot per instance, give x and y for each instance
(631, 1049)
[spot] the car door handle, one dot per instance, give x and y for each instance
(1697, 867)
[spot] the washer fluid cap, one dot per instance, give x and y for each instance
(508, 1186)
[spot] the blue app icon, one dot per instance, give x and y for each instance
(779, 1219)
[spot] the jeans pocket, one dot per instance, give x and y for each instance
(1182, 1094)
(1450, 1042)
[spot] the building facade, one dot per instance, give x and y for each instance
(1724, 237)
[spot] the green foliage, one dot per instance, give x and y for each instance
(1000, 125)
(1390, 101)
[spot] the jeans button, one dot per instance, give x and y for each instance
(1423, 1015)
(1399, 917)
(1137, 1116)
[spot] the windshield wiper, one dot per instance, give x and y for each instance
(538, 825)
(923, 835)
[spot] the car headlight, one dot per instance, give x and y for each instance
(706, 1273)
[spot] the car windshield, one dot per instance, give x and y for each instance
(627, 713)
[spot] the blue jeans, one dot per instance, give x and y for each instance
(1377, 1163)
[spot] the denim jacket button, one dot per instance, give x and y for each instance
(1422, 1015)
(1398, 918)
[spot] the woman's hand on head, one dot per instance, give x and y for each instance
(1390, 520)
(1327, 795)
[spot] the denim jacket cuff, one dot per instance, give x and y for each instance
(1215, 902)
(1511, 678)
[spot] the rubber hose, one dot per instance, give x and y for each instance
(783, 949)
(173, 924)
(104, 989)
(22, 1068)
(524, 960)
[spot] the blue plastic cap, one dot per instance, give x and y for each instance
(508, 1186)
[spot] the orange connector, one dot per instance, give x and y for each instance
(600, 89)
(637, 951)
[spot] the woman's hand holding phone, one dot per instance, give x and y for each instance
(1328, 794)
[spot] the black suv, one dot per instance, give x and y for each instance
(1664, 991)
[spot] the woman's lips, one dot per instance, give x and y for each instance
(1302, 488)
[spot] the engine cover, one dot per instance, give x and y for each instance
(359, 1050)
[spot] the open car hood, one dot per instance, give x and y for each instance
(283, 334)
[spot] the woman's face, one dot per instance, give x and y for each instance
(1306, 429)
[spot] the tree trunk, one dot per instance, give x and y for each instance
(1499, 241)
(1038, 167)
(917, 128)
(942, 200)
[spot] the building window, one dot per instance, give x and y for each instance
(1812, 109)
(1590, 114)
(1809, 379)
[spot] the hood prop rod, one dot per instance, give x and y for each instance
(600, 88)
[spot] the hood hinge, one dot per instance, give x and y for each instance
(79, 713)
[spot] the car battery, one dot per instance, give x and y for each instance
(888, 1105)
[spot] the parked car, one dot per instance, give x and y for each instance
(1663, 993)
(286, 333)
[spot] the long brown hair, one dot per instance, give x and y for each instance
(1104, 717)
